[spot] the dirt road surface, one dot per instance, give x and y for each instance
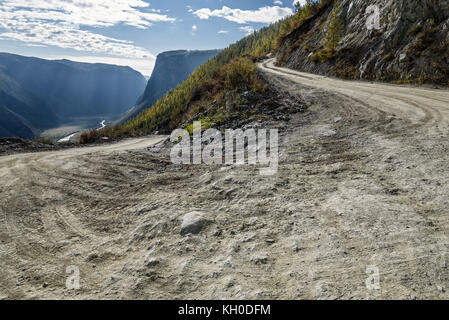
(357, 210)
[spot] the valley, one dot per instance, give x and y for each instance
(65, 132)
(54, 98)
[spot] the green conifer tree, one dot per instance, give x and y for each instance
(335, 30)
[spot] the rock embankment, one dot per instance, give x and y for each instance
(410, 43)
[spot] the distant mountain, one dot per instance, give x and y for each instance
(171, 69)
(37, 94)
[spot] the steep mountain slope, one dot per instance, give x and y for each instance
(21, 113)
(41, 94)
(171, 69)
(328, 37)
(340, 38)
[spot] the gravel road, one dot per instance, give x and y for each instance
(357, 210)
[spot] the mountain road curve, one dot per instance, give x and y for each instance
(417, 105)
(357, 210)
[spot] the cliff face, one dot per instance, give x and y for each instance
(410, 43)
(171, 69)
(37, 94)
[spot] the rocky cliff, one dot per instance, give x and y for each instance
(171, 69)
(388, 40)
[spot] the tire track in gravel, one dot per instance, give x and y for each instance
(38, 222)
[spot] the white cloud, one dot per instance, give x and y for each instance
(194, 28)
(280, 3)
(62, 23)
(93, 13)
(247, 29)
(52, 34)
(223, 32)
(301, 2)
(261, 15)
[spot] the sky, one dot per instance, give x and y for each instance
(129, 32)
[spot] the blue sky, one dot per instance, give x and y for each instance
(129, 32)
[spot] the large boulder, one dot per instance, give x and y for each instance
(194, 222)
